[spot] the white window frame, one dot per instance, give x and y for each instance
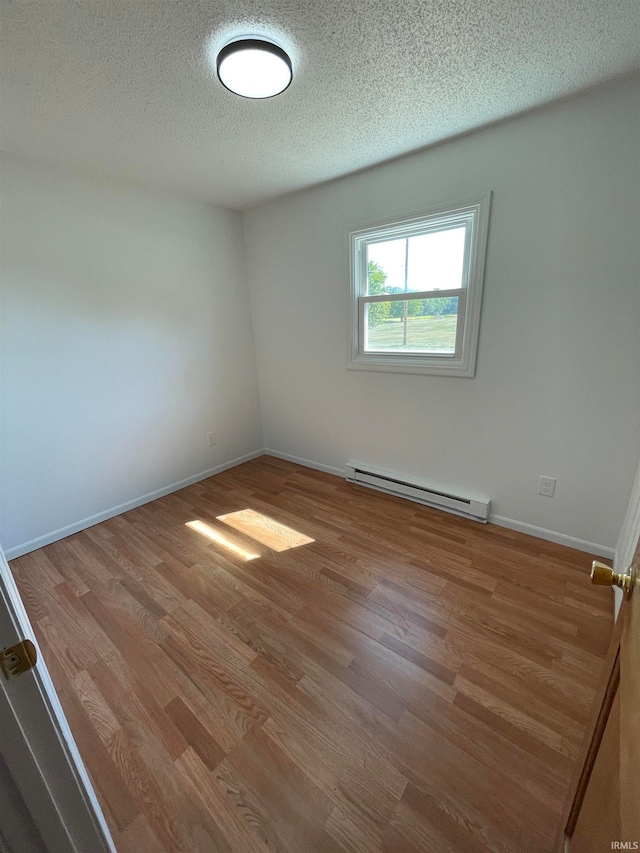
(472, 213)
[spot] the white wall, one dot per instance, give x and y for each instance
(126, 337)
(126, 334)
(556, 390)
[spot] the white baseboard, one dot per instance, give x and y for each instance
(77, 526)
(307, 463)
(552, 536)
(510, 523)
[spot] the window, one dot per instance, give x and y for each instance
(416, 289)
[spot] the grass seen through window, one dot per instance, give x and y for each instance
(423, 334)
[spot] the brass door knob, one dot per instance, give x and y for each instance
(603, 575)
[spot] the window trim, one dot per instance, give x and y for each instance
(472, 212)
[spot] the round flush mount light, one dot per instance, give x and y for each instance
(254, 67)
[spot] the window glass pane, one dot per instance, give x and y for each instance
(412, 325)
(432, 261)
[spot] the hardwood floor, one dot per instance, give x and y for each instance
(408, 682)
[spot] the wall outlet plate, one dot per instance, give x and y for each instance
(211, 438)
(546, 486)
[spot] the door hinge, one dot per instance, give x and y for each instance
(17, 659)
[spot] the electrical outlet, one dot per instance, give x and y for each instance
(211, 438)
(547, 486)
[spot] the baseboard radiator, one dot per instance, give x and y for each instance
(476, 509)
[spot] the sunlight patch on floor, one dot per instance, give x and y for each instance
(220, 539)
(265, 530)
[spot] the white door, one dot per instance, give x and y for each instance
(38, 749)
(602, 811)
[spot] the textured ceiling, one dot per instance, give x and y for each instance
(123, 87)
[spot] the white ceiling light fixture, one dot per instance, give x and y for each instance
(254, 67)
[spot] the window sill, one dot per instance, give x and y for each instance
(403, 364)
